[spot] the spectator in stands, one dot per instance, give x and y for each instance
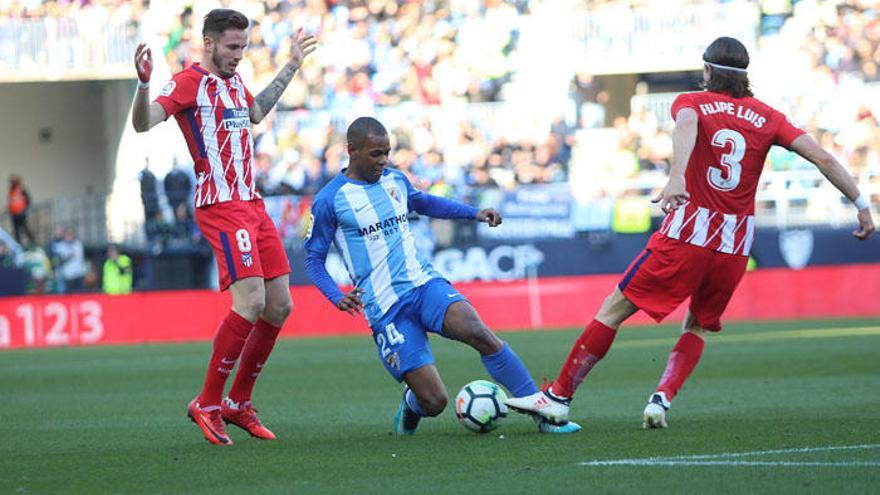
(18, 204)
(7, 257)
(150, 199)
(72, 267)
(178, 187)
(773, 14)
(589, 98)
(313, 177)
(117, 274)
(38, 266)
(55, 258)
(184, 234)
(563, 140)
(91, 281)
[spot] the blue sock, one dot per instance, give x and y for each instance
(413, 404)
(506, 368)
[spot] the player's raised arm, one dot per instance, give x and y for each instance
(808, 148)
(440, 207)
(145, 115)
(302, 46)
(684, 137)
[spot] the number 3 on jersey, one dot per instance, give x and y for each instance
(730, 161)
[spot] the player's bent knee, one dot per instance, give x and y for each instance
(615, 309)
(257, 305)
(698, 331)
(280, 309)
(434, 404)
(485, 341)
(250, 308)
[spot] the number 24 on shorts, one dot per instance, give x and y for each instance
(391, 336)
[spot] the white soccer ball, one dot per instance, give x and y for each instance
(480, 406)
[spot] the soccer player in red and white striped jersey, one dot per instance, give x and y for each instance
(215, 111)
(720, 142)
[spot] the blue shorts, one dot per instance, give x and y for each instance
(401, 336)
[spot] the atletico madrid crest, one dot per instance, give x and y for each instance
(247, 260)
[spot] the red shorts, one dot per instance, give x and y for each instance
(245, 241)
(669, 271)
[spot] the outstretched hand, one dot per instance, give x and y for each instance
(490, 216)
(351, 302)
(302, 46)
(673, 195)
(143, 62)
(866, 225)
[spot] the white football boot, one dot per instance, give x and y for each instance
(655, 412)
(548, 406)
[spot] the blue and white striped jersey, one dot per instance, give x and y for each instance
(368, 224)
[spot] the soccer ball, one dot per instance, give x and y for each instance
(480, 406)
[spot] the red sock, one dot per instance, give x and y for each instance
(256, 351)
(682, 361)
(589, 348)
(228, 342)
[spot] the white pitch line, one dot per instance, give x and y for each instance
(649, 462)
(798, 450)
(706, 459)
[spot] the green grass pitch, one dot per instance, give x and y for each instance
(773, 408)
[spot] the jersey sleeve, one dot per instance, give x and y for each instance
(682, 101)
(178, 94)
(786, 132)
(322, 225)
(436, 206)
(413, 195)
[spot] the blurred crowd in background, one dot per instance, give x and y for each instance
(843, 50)
(380, 54)
(377, 53)
(430, 56)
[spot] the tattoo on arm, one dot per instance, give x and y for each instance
(267, 98)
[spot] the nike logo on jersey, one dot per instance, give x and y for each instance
(358, 209)
(451, 295)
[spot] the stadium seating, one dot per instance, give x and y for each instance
(455, 83)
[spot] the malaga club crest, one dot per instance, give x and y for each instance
(247, 260)
(796, 247)
(393, 360)
(394, 193)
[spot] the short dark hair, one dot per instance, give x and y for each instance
(361, 128)
(728, 52)
(219, 20)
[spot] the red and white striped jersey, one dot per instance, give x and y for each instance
(214, 115)
(732, 234)
(733, 138)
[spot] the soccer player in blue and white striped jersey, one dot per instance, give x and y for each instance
(364, 211)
